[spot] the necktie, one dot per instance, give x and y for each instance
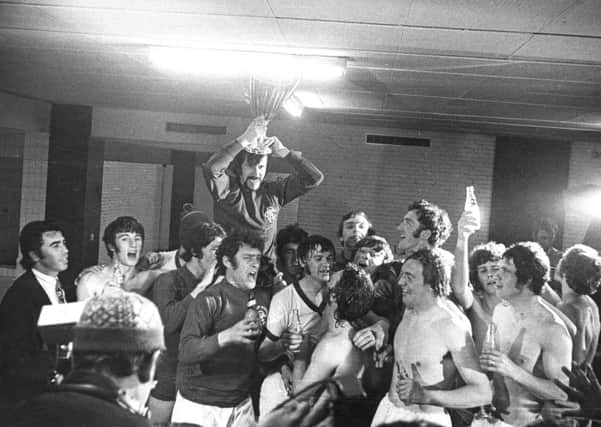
(60, 293)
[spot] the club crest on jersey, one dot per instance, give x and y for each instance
(270, 214)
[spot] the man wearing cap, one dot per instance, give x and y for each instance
(234, 176)
(116, 344)
(25, 360)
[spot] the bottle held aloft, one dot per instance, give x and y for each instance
(471, 204)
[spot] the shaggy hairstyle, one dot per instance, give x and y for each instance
(30, 240)
(292, 233)
(436, 268)
(481, 254)
(581, 267)
(251, 159)
(232, 243)
(434, 219)
(200, 237)
(349, 215)
(311, 244)
(531, 263)
(354, 294)
(119, 365)
(377, 244)
(123, 224)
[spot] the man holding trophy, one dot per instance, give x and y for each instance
(235, 177)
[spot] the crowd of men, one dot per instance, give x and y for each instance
(245, 325)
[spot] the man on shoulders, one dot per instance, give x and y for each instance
(242, 199)
(26, 361)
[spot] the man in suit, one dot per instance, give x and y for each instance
(25, 361)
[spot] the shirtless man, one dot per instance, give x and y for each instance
(529, 333)
(123, 238)
(579, 272)
(427, 335)
(308, 298)
(481, 271)
(335, 354)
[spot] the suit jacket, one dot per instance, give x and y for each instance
(24, 358)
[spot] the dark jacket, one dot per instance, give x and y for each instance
(25, 362)
(84, 399)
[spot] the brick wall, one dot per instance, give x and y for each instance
(584, 169)
(133, 189)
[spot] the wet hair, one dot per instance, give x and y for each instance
(531, 263)
(351, 214)
(232, 243)
(481, 254)
(122, 224)
(292, 233)
(200, 237)
(434, 219)
(244, 156)
(313, 242)
(354, 294)
(375, 243)
(31, 240)
(581, 267)
(117, 364)
(436, 268)
(546, 224)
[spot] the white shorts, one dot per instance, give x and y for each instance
(273, 392)
(186, 411)
(387, 413)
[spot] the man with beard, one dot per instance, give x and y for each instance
(217, 350)
(123, 239)
(234, 176)
(354, 226)
(533, 340)
(431, 340)
(26, 362)
(302, 302)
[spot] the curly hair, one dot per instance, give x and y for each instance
(200, 237)
(581, 267)
(531, 263)
(481, 254)
(354, 294)
(122, 224)
(433, 219)
(436, 268)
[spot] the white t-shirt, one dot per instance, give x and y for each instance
(281, 314)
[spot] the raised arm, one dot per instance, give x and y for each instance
(215, 168)
(466, 226)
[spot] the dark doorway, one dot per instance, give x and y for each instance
(529, 178)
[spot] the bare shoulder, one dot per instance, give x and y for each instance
(333, 347)
(453, 326)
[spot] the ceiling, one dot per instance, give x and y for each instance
(522, 67)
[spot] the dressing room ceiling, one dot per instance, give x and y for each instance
(524, 67)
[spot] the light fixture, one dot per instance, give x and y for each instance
(293, 106)
(584, 199)
(309, 99)
(231, 63)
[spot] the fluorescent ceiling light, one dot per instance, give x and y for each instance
(230, 63)
(293, 106)
(309, 99)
